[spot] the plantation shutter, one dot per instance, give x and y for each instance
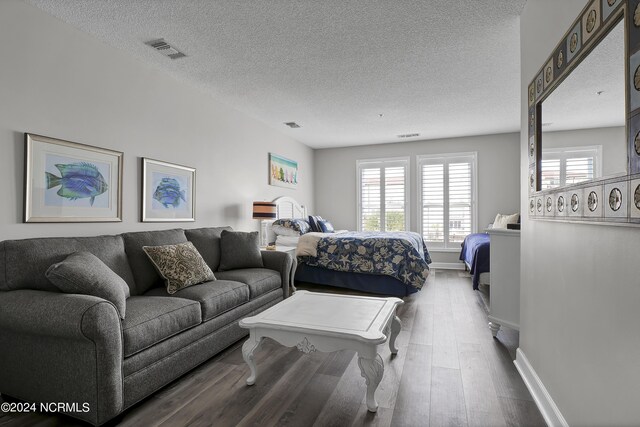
(579, 169)
(394, 203)
(550, 173)
(432, 182)
(383, 187)
(460, 200)
(561, 166)
(447, 197)
(370, 199)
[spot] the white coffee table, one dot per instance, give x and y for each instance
(329, 322)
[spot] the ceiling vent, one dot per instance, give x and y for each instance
(408, 135)
(166, 49)
(293, 125)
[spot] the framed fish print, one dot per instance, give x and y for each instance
(168, 192)
(70, 182)
(282, 171)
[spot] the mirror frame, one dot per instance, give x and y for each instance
(612, 200)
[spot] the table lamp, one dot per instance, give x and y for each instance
(264, 211)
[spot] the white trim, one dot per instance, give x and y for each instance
(503, 322)
(446, 158)
(541, 396)
(447, 265)
(384, 162)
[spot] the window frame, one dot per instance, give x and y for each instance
(382, 163)
(565, 153)
(447, 158)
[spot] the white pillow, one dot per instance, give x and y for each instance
(281, 230)
(501, 221)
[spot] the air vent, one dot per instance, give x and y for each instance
(293, 125)
(408, 135)
(166, 49)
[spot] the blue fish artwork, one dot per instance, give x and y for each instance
(78, 181)
(168, 193)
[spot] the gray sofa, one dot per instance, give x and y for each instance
(73, 348)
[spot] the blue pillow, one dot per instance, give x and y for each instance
(295, 224)
(326, 226)
(314, 221)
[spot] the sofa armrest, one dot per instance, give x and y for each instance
(63, 348)
(283, 263)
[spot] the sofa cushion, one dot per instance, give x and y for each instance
(207, 242)
(239, 250)
(259, 280)
(144, 272)
(215, 297)
(84, 273)
(150, 320)
(23, 263)
(179, 265)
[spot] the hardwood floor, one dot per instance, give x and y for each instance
(449, 371)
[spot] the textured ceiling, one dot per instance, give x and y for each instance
(441, 68)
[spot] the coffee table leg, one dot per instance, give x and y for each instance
(372, 371)
(248, 348)
(396, 325)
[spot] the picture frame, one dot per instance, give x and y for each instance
(283, 172)
(168, 192)
(71, 182)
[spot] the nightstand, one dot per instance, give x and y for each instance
(291, 250)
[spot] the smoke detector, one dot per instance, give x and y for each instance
(166, 49)
(408, 135)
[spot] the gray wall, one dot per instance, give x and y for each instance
(60, 82)
(580, 290)
(498, 174)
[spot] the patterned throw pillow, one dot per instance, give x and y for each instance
(179, 265)
(326, 226)
(299, 226)
(315, 223)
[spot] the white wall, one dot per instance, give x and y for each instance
(60, 82)
(580, 289)
(612, 139)
(498, 169)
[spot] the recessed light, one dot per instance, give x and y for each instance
(293, 125)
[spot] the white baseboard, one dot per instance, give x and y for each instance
(541, 396)
(447, 265)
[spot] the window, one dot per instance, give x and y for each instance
(383, 194)
(447, 198)
(562, 166)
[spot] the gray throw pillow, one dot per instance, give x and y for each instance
(84, 273)
(179, 265)
(239, 250)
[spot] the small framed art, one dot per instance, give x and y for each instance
(168, 192)
(70, 182)
(282, 172)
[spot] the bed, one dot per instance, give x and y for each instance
(381, 263)
(475, 254)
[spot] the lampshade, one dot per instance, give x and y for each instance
(264, 210)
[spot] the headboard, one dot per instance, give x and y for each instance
(286, 207)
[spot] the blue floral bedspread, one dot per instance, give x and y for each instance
(402, 255)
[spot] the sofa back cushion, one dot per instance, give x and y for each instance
(23, 263)
(144, 273)
(207, 242)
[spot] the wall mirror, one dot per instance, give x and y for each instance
(584, 120)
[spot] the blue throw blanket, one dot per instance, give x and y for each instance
(475, 252)
(402, 255)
